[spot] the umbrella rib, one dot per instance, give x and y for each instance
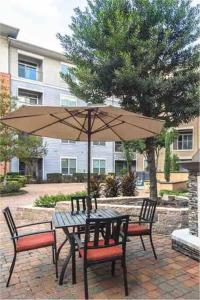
(101, 128)
(112, 129)
(69, 112)
(55, 122)
(18, 117)
(94, 118)
(140, 127)
(66, 123)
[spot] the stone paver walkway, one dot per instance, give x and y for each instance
(36, 190)
(172, 276)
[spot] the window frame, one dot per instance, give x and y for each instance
(26, 65)
(99, 145)
(70, 98)
(184, 131)
(104, 159)
(115, 147)
(67, 157)
(68, 142)
(31, 91)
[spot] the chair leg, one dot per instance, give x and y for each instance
(53, 254)
(85, 282)
(11, 269)
(154, 252)
(73, 265)
(56, 260)
(113, 268)
(142, 243)
(125, 275)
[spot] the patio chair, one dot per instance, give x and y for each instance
(78, 204)
(96, 250)
(144, 225)
(29, 241)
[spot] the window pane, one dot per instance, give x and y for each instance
(189, 144)
(65, 101)
(96, 170)
(102, 164)
(96, 163)
(72, 163)
(64, 163)
(64, 69)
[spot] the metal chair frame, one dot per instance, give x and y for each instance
(116, 229)
(146, 216)
(15, 236)
(78, 203)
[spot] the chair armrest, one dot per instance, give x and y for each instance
(38, 223)
(31, 233)
(140, 222)
(78, 241)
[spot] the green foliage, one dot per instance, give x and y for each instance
(95, 185)
(181, 192)
(29, 149)
(142, 52)
(112, 185)
(19, 178)
(8, 138)
(51, 200)
(175, 167)
(54, 177)
(128, 184)
(10, 187)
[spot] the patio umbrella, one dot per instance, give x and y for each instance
(86, 123)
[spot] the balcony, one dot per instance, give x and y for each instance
(29, 72)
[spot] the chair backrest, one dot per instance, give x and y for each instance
(79, 203)
(148, 210)
(10, 221)
(115, 232)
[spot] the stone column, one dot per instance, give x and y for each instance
(193, 202)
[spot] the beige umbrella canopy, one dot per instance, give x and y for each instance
(86, 123)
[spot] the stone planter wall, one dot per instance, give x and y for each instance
(166, 219)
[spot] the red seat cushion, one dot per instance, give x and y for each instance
(137, 229)
(35, 241)
(102, 253)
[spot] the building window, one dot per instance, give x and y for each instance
(27, 97)
(118, 147)
(68, 142)
(99, 166)
(65, 100)
(27, 70)
(64, 69)
(98, 143)
(68, 166)
(184, 140)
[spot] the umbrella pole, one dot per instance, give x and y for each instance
(89, 205)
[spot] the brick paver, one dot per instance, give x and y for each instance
(172, 276)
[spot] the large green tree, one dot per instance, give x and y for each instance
(8, 137)
(143, 52)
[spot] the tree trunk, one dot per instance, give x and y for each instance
(150, 151)
(4, 173)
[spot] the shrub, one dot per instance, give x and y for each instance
(10, 187)
(80, 177)
(128, 184)
(51, 200)
(20, 178)
(95, 185)
(180, 192)
(12, 174)
(54, 177)
(112, 185)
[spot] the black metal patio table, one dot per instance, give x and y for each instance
(67, 220)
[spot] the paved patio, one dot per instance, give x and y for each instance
(173, 276)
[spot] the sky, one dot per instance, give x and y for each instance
(40, 20)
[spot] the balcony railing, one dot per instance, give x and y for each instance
(29, 72)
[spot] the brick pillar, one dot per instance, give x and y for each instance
(193, 201)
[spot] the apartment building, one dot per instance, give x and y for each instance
(34, 74)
